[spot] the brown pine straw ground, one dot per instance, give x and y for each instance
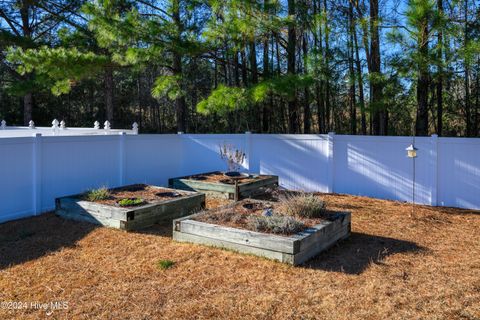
(393, 267)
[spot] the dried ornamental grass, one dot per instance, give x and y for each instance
(303, 205)
(275, 223)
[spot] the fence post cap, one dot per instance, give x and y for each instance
(31, 124)
(135, 128)
(106, 125)
(55, 123)
(62, 124)
(3, 124)
(96, 125)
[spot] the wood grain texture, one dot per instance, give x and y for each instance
(239, 236)
(295, 249)
(223, 190)
(129, 218)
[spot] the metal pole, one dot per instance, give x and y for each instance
(413, 180)
(413, 188)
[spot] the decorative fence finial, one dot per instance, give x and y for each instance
(106, 125)
(96, 125)
(62, 125)
(55, 126)
(3, 125)
(135, 128)
(31, 124)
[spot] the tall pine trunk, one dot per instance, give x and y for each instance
(243, 60)
(319, 86)
(379, 117)
(440, 74)
(360, 84)
(108, 79)
(267, 110)
(27, 108)
(255, 115)
(291, 70)
(27, 33)
(352, 98)
(328, 126)
(477, 102)
(365, 41)
(180, 105)
(422, 82)
(236, 74)
(306, 109)
(467, 77)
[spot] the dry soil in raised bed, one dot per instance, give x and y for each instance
(148, 194)
(219, 177)
(236, 215)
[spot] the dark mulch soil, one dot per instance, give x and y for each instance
(219, 177)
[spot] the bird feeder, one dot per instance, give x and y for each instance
(411, 151)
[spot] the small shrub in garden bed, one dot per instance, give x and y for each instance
(263, 228)
(131, 195)
(129, 202)
(280, 217)
(130, 207)
(98, 194)
(275, 224)
(304, 206)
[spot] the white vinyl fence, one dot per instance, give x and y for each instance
(61, 129)
(35, 170)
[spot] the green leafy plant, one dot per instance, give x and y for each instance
(98, 194)
(129, 202)
(165, 264)
(275, 224)
(304, 205)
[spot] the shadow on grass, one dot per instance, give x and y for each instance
(456, 211)
(355, 254)
(31, 238)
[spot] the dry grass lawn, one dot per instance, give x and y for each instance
(394, 266)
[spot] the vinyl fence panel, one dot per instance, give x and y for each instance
(35, 170)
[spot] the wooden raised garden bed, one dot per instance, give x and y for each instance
(155, 204)
(215, 184)
(226, 227)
